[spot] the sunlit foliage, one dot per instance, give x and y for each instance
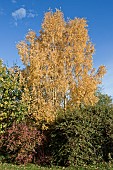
(11, 106)
(59, 71)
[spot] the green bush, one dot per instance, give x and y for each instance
(103, 125)
(11, 106)
(71, 140)
(84, 136)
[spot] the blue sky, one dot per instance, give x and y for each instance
(18, 16)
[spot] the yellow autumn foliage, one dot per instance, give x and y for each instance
(59, 71)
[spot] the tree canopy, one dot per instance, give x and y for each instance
(59, 71)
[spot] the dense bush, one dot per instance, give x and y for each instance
(84, 136)
(71, 140)
(103, 125)
(22, 143)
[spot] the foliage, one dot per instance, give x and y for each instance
(84, 136)
(71, 140)
(22, 143)
(59, 71)
(103, 125)
(11, 106)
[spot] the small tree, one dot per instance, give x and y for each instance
(11, 106)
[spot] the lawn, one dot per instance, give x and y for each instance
(34, 167)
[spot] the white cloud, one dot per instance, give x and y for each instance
(19, 14)
(22, 13)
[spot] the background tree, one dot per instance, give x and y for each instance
(59, 71)
(11, 106)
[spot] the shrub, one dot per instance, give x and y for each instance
(71, 140)
(84, 136)
(22, 143)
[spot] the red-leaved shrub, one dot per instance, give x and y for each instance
(22, 143)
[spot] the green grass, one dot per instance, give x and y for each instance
(6, 166)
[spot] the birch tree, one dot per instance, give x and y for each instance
(59, 71)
